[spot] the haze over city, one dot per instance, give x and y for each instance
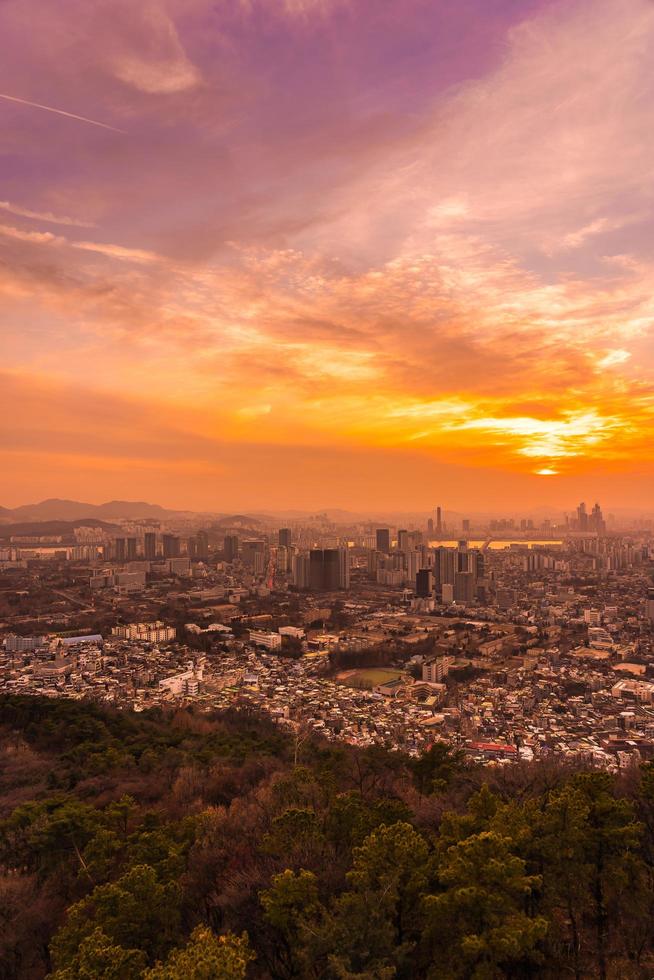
(327, 253)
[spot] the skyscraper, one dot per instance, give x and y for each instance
(439, 521)
(402, 540)
(424, 583)
(230, 547)
(202, 544)
(383, 539)
(285, 537)
(329, 569)
(120, 549)
(150, 545)
(171, 546)
(131, 549)
(301, 571)
(250, 550)
(464, 587)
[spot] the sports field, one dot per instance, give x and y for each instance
(369, 677)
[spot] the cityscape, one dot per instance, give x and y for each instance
(512, 639)
(326, 490)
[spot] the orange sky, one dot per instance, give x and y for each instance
(328, 253)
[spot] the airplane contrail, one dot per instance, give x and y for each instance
(61, 112)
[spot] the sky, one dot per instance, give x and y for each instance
(327, 253)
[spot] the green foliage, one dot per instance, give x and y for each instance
(478, 923)
(152, 842)
(97, 958)
(134, 912)
(436, 768)
(206, 957)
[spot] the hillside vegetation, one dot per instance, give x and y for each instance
(160, 846)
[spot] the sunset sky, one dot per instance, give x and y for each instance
(312, 253)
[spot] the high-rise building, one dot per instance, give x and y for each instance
(414, 561)
(131, 549)
(464, 587)
(150, 545)
(202, 545)
(383, 539)
(250, 549)
(285, 537)
(465, 525)
(120, 549)
(300, 571)
(596, 520)
(446, 566)
(402, 540)
(329, 569)
(462, 557)
(439, 521)
(424, 583)
(344, 568)
(582, 517)
(430, 526)
(171, 546)
(649, 605)
(230, 547)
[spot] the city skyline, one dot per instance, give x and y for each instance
(328, 253)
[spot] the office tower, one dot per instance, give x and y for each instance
(464, 587)
(171, 547)
(479, 566)
(285, 537)
(131, 549)
(462, 557)
(300, 571)
(582, 517)
(120, 549)
(414, 562)
(596, 520)
(465, 525)
(439, 521)
(402, 540)
(383, 539)
(249, 550)
(329, 569)
(447, 565)
(344, 568)
(230, 547)
(202, 545)
(649, 605)
(316, 577)
(282, 558)
(150, 545)
(424, 583)
(430, 526)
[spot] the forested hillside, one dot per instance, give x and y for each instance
(184, 846)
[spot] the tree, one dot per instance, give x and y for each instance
(135, 912)
(97, 958)
(436, 768)
(476, 926)
(372, 929)
(290, 902)
(206, 957)
(590, 839)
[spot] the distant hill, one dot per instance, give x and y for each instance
(73, 510)
(63, 528)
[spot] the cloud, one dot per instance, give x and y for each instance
(44, 216)
(34, 237)
(118, 251)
